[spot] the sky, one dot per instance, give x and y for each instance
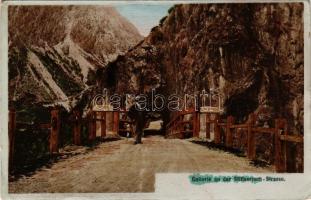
(144, 16)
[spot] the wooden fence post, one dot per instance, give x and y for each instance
(103, 124)
(207, 125)
(217, 130)
(11, 130)
(116, 122)
(177, 128)
(77, 127)
(251, 146)
(180, 127)
(280, 162)
(196, 123)
(229, 137)
(92, 125)
(55, 127)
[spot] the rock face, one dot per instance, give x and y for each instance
(252, 53)
(54, 51)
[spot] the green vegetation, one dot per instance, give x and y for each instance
(154, 29)
(171, 9)
(162, 20)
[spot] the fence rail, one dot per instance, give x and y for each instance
(176, 127)
(75, 121)
(184, 123)
(224, 131)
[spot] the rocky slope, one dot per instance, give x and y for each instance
(252, 53)
(54, 51)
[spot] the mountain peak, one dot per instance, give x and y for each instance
(68, 42)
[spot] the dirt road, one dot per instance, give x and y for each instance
(120, 166)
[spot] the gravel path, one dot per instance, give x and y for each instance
(120, 166)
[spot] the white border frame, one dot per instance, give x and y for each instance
(297, 186)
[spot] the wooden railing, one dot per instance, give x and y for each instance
(176, 127)
(76, 121)
(278, 133)
(97, 116)
(15, 125)
(224, 132)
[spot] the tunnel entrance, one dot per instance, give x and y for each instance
(154, 128)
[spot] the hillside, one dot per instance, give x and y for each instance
(252, 53)
(54, 51)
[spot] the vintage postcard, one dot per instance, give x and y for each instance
(155, 100)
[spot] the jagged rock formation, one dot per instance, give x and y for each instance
(252, 52)
(54, 51)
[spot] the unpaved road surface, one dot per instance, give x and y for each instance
(120, 166)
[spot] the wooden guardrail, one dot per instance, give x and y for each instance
(176, 127)
(279, 133)
(53, 127)
(75, 120)
(100, 116)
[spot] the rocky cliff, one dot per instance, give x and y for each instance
(54, 51)
(252, 53)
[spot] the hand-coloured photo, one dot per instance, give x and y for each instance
(104, 97)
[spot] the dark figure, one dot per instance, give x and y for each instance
(140, 125)
(139, 118)
(139, 115)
